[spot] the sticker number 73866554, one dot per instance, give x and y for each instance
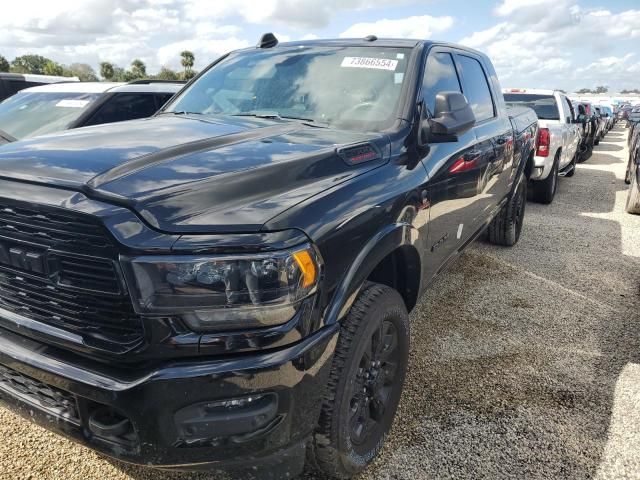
(368, 62)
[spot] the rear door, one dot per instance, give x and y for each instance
(494, 137)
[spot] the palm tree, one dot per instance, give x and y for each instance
(188, 59)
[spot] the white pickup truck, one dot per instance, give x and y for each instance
(558, 138)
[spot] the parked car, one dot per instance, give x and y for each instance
(633, 120)
(558, 140)
(608, 116)
(624, 111)
(633, 141)
(633, 180)
(226, 284)
(594, 119)
(587, 132)
(11, 83)
(600, 125)
(64, 106)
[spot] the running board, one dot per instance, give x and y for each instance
(566, 170)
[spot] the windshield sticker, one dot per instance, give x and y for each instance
(72, 103)
(366, 62)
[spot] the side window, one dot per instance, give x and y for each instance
(14, 86)
(439, 76)
(476, 88)
(162, 98)
(124, 106)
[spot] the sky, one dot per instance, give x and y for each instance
(566, 44)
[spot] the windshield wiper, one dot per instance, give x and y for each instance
(276, 116)
(180, 113)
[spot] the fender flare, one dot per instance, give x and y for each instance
(374, 251)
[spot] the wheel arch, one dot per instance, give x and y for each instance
(390, 258)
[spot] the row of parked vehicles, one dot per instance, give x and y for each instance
(227, 284)
(568, 132)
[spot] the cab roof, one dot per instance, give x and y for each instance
(103, 87)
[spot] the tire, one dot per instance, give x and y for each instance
(627, 174)
(545, 190)
(586, 152)
(597, 141)
(572, 171)
(355, 420)
(633, 198)
(506, 227)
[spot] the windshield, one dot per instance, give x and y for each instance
(347, 87)
(28, 114)
(545, 106)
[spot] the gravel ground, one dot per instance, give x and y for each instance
(525, 362)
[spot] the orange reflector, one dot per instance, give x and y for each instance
(307, 266)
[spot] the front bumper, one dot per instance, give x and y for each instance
(188, 415)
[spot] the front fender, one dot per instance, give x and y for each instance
(374, 251)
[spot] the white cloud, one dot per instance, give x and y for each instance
(548, 43)
(424, 26)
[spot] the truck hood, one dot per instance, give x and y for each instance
(193, 174)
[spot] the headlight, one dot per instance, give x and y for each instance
(224, 292)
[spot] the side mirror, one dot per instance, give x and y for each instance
(452, 116)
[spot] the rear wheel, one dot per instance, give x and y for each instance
(366, 381)
(506, 227)
(545, 190)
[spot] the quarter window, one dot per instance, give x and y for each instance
(476, 88)
(439, 76)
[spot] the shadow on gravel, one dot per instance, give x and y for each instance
(604, 159)
(607, 147)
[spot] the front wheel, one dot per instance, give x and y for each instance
(506, 227)
(365, 383)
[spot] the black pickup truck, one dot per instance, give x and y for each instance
(227, 284)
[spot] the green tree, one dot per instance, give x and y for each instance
(601, 89)
(107, 70)
(29, 64)
(188, 59)
(81, 70)
(4, 64)
(166, 73)
(53, 68)
(138, 69)
(585, 90)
